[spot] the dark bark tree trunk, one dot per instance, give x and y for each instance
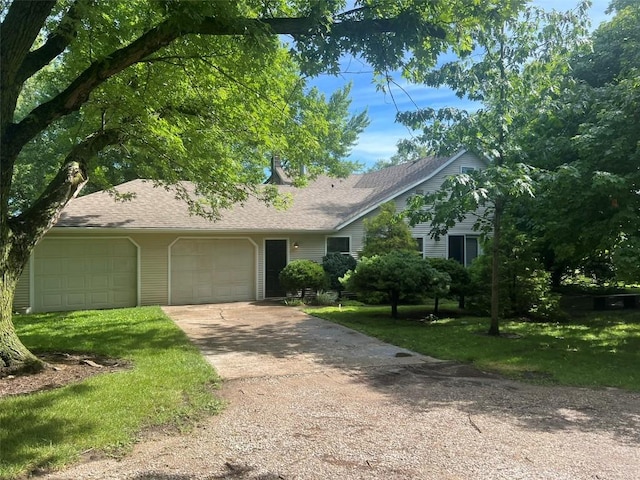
(436, 305)
(494, 329)
(20, 234)
(13, 353)
(461, 301)
(395, 299)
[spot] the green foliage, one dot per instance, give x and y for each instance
(299, 275)
(399, 274)
(626, 261)
(386, 232)
(601, 350)
(585, 138)
(326, 298)
(198, 91)
(169, 382)
(459, 275)
(525, 286)
(335, 266)
(523, 49)
(459, 278)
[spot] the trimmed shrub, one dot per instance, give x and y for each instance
(460, 279)
(299, 275)
(335, 266)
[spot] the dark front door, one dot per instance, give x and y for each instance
(275, 252)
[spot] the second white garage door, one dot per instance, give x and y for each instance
(212, 271)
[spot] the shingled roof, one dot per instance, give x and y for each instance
(325, 205)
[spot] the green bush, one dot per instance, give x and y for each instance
(300, 275)
(525, 289)
(335, 266)
(399, 275)
(326, 298)
(460, 279)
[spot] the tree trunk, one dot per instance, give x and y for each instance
(13, 354)
(461, 301)
(18, 237)
(494, 329)
(395, 299)
(436, 304)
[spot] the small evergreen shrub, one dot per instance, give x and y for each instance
(335, 266)
(300, 275)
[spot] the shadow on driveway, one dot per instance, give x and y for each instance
(250, 340)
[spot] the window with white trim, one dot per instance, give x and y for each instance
(468, 170)
(339, 245)
(464, 248)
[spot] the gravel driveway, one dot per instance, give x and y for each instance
(311, 400)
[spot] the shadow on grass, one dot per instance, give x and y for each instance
(265, 330)
(53, 426)
(85, 332)
(27, 428)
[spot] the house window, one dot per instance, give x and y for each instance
(339, 245)
(464, 248)
(467, 170)
(420, 245)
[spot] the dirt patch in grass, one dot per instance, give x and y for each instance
(60, 369)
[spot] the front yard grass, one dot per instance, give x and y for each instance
(169, 383)
(600, 349)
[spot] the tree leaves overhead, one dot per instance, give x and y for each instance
(587, 138)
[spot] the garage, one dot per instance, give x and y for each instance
(79, 274)
(212, 271)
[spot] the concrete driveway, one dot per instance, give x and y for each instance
(308, 399)
(243, 340)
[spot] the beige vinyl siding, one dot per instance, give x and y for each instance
(154, 267)
(438, 248)
(260, 267)
(311, 247)
(21, 300)
(432, 247)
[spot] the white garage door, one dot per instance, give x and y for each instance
(84, 274)
(212, 271)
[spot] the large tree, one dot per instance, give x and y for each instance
(124, 88)
(586, 137)
(516, 58)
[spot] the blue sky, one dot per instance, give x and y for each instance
(379, 139)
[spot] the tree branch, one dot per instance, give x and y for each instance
(19, 30)
(32, 224)
(77, 93)
(54, 46)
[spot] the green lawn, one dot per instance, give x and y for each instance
(597, 350)
(170, 383)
